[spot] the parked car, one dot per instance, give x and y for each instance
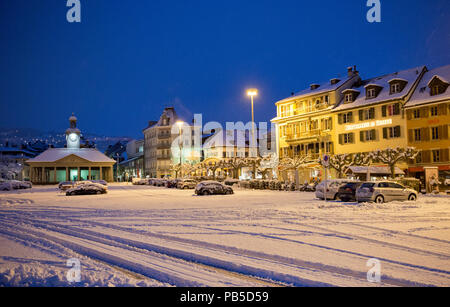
(10, 185)
(187, 184)
(332, 187)
(65, 185)
(172, 183)
(212, 188)
(384, 191)
(307, 187)
(137, 181)
(347, 192)
(158, 182)
(87, 189)
(102, 182)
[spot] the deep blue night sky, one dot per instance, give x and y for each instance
(129, 59)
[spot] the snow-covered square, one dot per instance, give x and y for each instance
(151, 236)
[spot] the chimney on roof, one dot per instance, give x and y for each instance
(350, 71)
(334, 81)
(314, 86)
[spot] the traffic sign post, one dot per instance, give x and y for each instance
(325, 163)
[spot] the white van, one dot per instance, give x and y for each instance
(332, 188)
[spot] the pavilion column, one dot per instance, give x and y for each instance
(111, 174)
(101, 173)
(89, 173)
(67, 174)
(31, 174)
(42, 174)
(54, 174)
(78, 174)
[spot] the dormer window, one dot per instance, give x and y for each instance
(395, 88)
(349, 97)
(437, 86)
(437, 90)
(371, 93)
(372, 90)
(397, 85)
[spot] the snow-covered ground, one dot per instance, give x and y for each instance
(148, 236)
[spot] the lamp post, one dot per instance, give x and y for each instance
(180, 143)
(252, 92)
(117, 168)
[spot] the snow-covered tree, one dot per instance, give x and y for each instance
(213, 167)
(176, 168)
(235, 164)
(362, 159)
(253, 163)
(392, 156)
(295, 164)
(267, 165)
(10, 169)
(340, 163)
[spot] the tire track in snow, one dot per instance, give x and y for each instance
(276, 261)
(358, 237)
(368, 227)
(161, 267)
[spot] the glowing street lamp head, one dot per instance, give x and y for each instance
(179, 123)
(252, 92)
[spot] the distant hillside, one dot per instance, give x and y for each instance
(19, 136)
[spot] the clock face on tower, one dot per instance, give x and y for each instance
(73, 137)
(73, 140)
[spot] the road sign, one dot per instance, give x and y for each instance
(326, 160)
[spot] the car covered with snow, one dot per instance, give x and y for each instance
(65, 185)
(138, 181)
(330, 188)
(212, 188)
(187, 184)
(87, 189)
(384, 191)
(10, 185)
(102, 182)
(172, 183)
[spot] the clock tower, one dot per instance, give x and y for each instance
(73, 134)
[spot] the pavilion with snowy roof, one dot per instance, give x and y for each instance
(71, 163)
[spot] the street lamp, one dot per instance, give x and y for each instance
(180, 142)
(252, 92)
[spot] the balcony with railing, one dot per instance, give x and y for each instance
(290, 137)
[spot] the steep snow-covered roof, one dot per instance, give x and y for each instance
(422, 93)
(409, 75)
(168, 113)
(55, 154)
(323, 88)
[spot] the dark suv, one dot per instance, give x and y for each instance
(347, 192)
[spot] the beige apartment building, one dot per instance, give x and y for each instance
(305, 123)
(164, 148)
(371, 115)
